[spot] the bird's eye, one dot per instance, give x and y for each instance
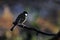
(26, 14)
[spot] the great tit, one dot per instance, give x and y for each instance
(20, 19)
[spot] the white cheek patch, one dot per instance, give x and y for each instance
(25, 14)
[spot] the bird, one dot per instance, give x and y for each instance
(21, 19)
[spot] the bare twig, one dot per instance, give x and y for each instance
(57, 37)
(33, 29)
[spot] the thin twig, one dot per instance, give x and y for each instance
(33, 29)
(56, 37)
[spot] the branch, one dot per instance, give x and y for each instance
(33, 29)
(56, 37)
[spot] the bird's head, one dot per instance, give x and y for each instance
(25, 13)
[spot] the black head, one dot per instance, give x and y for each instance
(25, 13)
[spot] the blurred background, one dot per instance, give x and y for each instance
(43, 15)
